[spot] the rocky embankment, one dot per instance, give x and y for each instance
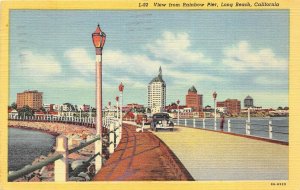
(76, 135)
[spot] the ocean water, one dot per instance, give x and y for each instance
(26, 145)
(259, 126)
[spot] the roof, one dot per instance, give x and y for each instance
(248, 97)
(157, 79)
(193, 89)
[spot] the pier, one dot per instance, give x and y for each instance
(135, 153)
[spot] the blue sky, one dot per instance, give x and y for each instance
(235, 53)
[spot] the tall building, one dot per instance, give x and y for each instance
(157, 93)
(233, 106)
(248, 102)
(31, 98)
(194, 100)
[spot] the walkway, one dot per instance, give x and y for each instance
(141, 156)
(209, 155)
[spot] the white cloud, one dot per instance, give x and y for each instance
(128, 67)
(241, 58)
(39, 64)
(175, 47)
(130, 63)
(263, 80)
(80, 60)
(133, 68)
(184, 77)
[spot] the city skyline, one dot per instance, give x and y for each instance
(235, 53)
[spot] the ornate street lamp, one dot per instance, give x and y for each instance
(109, 108)
(117, 100)
(99, 38)
(215, 97)
(121, 88)
(178, 101)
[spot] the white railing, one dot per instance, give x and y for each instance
(266, 130)
(86, 121)
(111, 135)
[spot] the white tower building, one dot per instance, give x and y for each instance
(157, 93)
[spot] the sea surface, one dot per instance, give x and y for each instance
(26, 145)
(259, 126)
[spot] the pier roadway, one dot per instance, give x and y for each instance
(210, 155)
(141, 156)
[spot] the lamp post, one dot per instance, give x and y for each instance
(178, 101)
(99, 38)
(69, 115)
(80, 114)
(91, 111)
(249, 114)
(117, 101)
(109, 108)
(215, 97)
(121, 88)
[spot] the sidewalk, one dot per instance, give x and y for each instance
(210, 155)
(141, 156)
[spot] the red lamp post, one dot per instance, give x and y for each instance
(178, 101)
(117, 100)
(99, 38)
(215, 97)
(121, 88)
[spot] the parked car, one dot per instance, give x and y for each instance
(161, 121)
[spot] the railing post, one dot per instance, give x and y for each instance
(248, 128)
(229, 125)
(120, 130)
(61, 166)
(270, 129)
(117, 125)
(184, 122)
(111, 137)
(203, 123)
(194, 123)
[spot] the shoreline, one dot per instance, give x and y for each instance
(52, 148)
(55, 134)
(80, 133)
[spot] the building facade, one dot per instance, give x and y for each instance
(248, 102)
(48, 107)
(31, 98)
(233, 106)
(194, 100)
(157, 93)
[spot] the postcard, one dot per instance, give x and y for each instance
(149, 94)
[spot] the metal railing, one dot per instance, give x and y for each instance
(112, 131)
(268, 130)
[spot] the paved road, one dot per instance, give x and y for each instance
(209, 155)
(141, 156)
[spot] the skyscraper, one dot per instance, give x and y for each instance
(157, 93)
